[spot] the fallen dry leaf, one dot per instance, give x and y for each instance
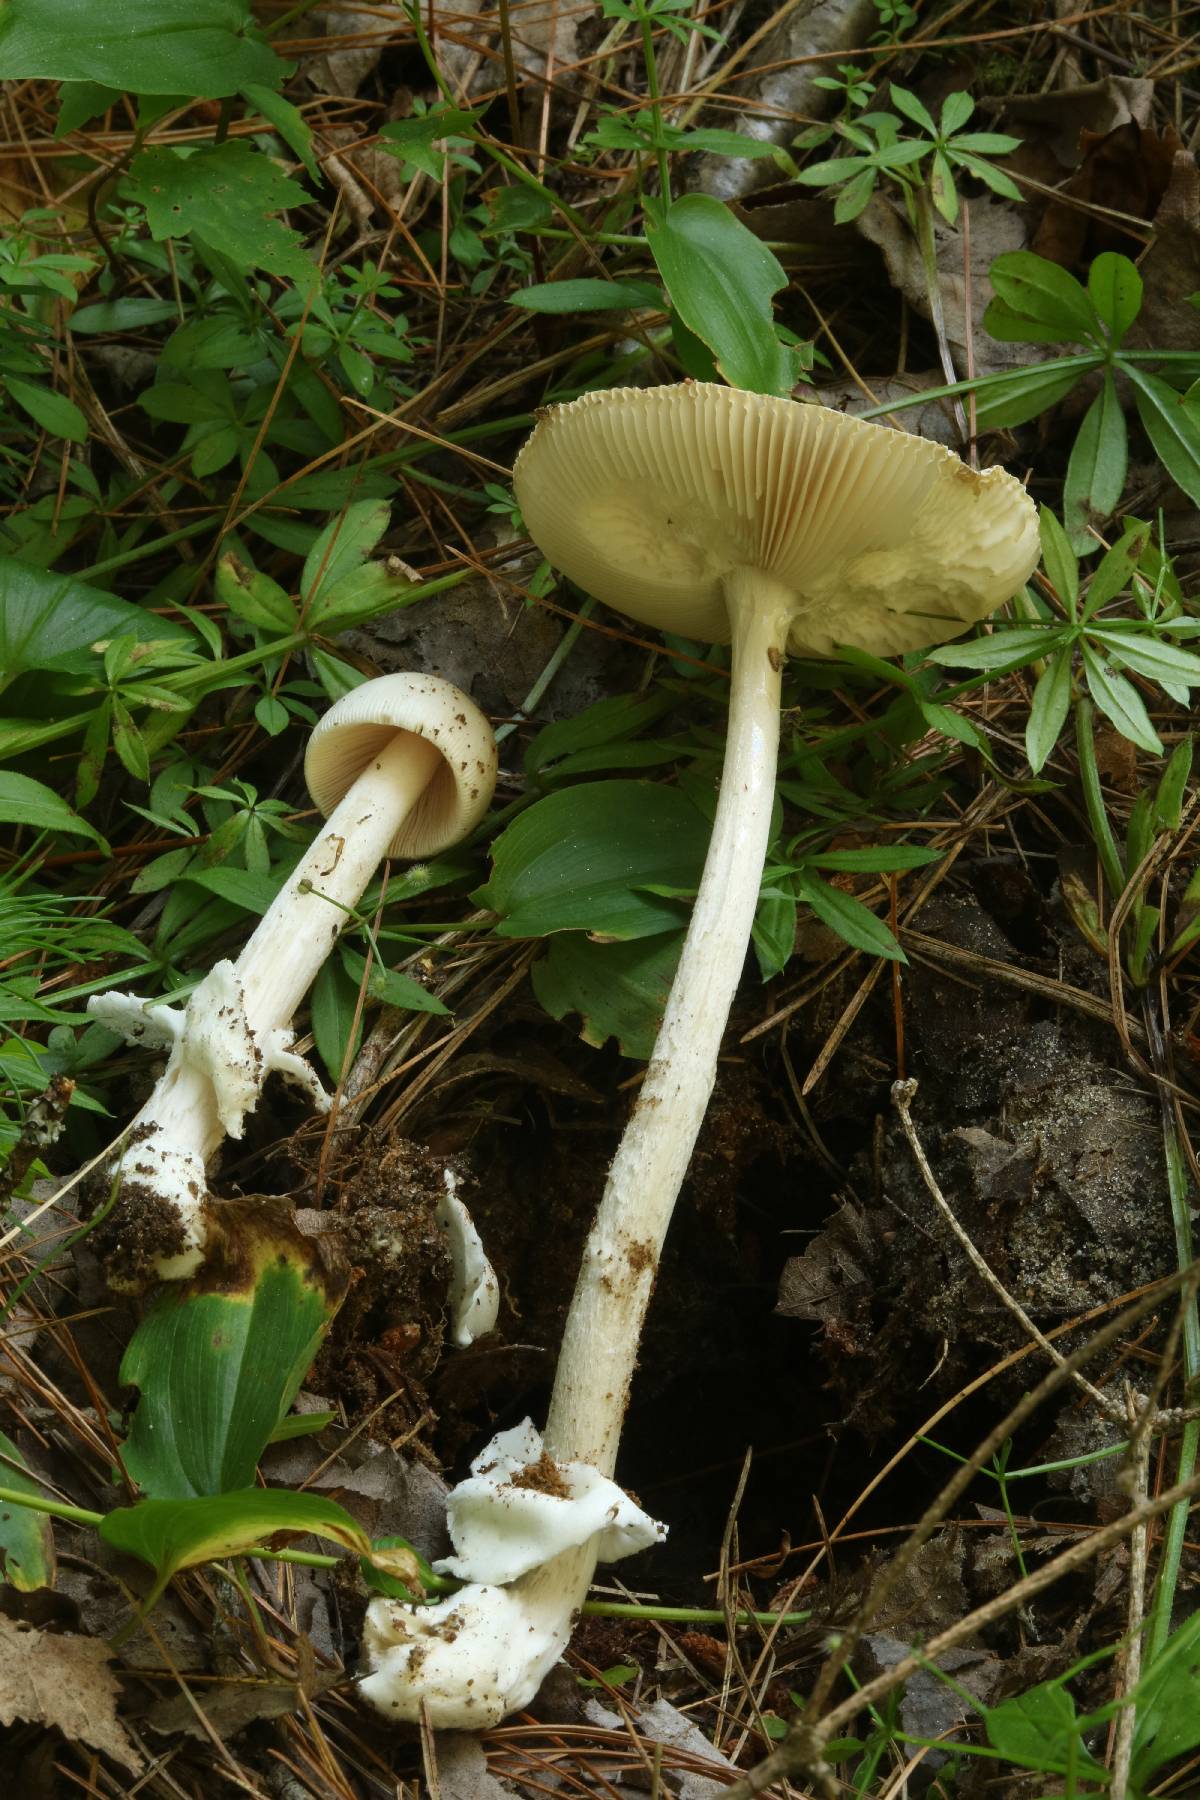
(66, 1682)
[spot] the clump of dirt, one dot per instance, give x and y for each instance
(1048, 1154)
(542, 1477)
(387, 1339)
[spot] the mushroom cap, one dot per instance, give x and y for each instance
(357, 727)
(649, 497)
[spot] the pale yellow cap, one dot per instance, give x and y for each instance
(648, 497)
(356, 727)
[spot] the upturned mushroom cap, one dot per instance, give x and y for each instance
(361, 723)
(649, 497)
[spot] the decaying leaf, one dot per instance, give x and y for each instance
(67, 1682)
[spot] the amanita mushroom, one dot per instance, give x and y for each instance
(781, 527)
(402, 766)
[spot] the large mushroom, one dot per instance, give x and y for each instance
(402, 766)
(781, 527)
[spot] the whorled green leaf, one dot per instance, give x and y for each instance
(722, 279)
(26, 1537)
(1059, 559)
(219, 1360)
(224, 194)
(583, 859)
(618, 990)
(53, 412)
(1027, 393)
(172, 1535)
(1120, 702)
(342, 547)
(1048, 711)
(1173, 426)
(208, 48)
(254, 597)
(1096, 470)
(1115, 290)
(1040, 294)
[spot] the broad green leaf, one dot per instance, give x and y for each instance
(1042, 293)
(1096, 471)
(208, 48)
(241, 887)
(618, 990)
(854, 923)
(53, 412)
(1048, 712)
(1036, 1730)
(26, 1537)
(1120, 703)
(608, 722)
(1027, 393)
(880, 859)
(343, 546)
(49, 621)
(583, 859)
(224, 194)
(1059, 559)
(172, 1535)
(254, 597)
(721, 279)
(219, 1360)
(1115, 290)
(24, 801)
(391, 986)
(366, 592)
(586, 295)
(1173, 427)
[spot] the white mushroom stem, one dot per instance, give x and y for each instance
(620, 1259)
(236, 1027)
(484, 1653)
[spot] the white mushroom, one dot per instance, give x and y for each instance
(403, 766)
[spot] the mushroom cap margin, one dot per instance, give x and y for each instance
(649, 497)
(356, 728)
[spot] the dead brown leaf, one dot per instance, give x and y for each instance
(65, 1682)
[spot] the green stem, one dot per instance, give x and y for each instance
(686, 1615)
(1093, 796)
(562, 651)
(654, 93)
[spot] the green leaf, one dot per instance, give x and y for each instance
(1096, 471)
(956, 110)
(241, 887)
(773, 933)
(912, 108)
(288, 121)
(583, 859)
(1120, 703)
(24, 801)
(26, 1536)
(1173, 427)
(1168, 801)
(1059, 559)
(1037, 1730)
(586, 295)
(415, 140)
(1027, 393)
(880, 859)
(1042, 293)
(1168, 1705)
(1148, 655)
(209, 48)
(854, 923)
(608, 722)
(254, 597)
(618, 990)
(134, 313)
(984, 171)
(333, 1006)
(272, 715)
(1002, 651)
(219, 1360)
(1048, 712)
(172, 1535)
(368, 590)
(1115, 290)
(721, 279)
(225, 195)
(53, 412)
(343, 546)
(391, 986)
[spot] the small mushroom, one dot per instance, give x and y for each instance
(402, 766)
(781, 527)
